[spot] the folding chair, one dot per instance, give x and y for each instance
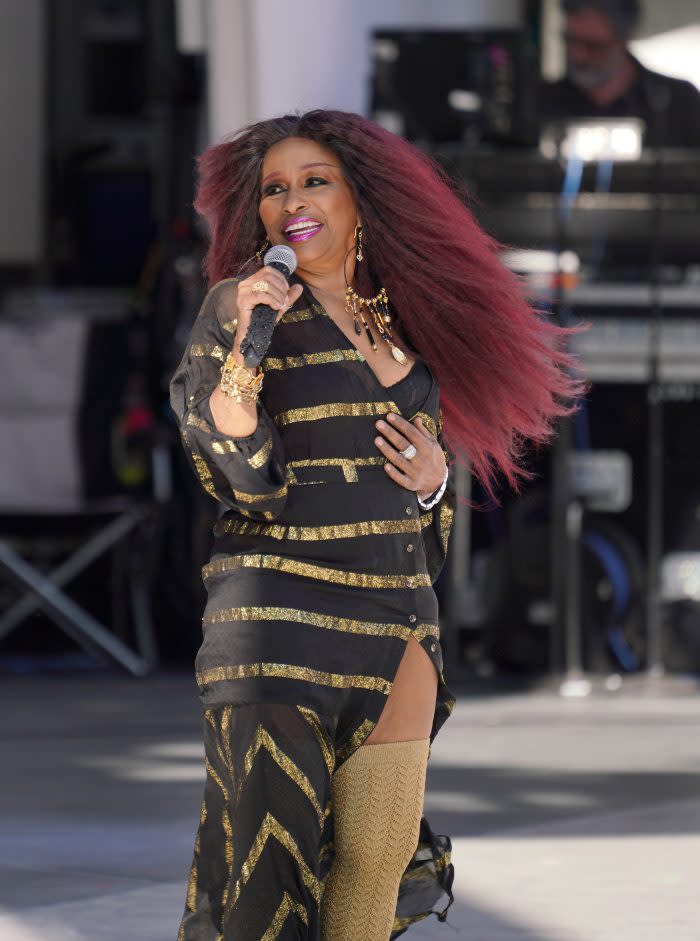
(44, 515)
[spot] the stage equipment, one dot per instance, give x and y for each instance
(575, 145)
(58, 499)
(469, 86)
(515, 195)
(617, 220)
(594, 140)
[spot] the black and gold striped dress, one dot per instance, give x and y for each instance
(322, 567)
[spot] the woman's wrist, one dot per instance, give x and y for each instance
(432, 498)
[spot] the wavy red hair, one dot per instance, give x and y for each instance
(503, 371)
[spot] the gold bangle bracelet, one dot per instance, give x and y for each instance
(237, 391)
(235, 375)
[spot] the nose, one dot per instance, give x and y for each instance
(294, 201)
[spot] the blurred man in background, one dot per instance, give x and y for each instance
(603, 79)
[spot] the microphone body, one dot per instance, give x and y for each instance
(262, 322)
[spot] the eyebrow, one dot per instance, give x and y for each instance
(303, 167)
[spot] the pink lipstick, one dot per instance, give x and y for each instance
(301, 228)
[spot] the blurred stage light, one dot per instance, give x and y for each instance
(540, 261)
(616, 139)
(468, 102)
(680, 577)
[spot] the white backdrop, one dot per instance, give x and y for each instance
(272, 56)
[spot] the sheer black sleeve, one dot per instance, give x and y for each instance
(247, 473)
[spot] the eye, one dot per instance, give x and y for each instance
(272, 189)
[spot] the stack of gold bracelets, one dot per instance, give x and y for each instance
(239, 383)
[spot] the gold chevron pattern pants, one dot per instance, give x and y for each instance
(265, 848)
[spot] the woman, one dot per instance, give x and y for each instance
(320, 670)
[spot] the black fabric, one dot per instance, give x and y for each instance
(322, 566)
(678, 124)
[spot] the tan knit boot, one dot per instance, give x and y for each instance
(377, 806)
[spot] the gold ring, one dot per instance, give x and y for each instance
(260, 287)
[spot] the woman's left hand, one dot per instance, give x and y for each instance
(424, 472)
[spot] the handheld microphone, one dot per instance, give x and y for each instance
(262, 322)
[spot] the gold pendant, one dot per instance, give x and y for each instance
(399, 355)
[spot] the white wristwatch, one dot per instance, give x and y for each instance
(438, 493)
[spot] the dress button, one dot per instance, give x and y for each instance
(408, 511)
(409, 582)
(411, 618)
(409, 547)
(433, 646)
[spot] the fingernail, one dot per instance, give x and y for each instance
(391, 416)
(378, 440)
(380, 424)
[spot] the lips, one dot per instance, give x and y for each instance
(301, 228)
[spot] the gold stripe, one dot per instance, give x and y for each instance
(254, 514)
(263, 739)
(260, 497)
(224, 447)
(209, 716)
(327, 621)
(281, 563)
(216, 778)
(225, 816)
(226, 740)
(294, 316)
(324, 742)
(242, 671)
(286, 906)
(192, 881)
(311, 359)
(334, 410)
(446, 516)
(230, 325)
(272, 827)
(348, 465)
(209, 349)
(316, 533)
(260, 457)
(355, 740)
(428, 421)
(195, 421)
(201, 466)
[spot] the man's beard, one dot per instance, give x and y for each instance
(588, 78)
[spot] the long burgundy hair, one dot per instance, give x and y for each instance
(503, 373)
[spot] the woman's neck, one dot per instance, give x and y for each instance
(328, 284)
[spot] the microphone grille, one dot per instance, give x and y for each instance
(283, 255)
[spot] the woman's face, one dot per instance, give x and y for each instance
(306, 203)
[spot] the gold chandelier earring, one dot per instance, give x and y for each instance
(377, 306)
(358, 243)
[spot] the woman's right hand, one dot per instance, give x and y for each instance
(280, 296)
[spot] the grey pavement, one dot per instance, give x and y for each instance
(571, 819)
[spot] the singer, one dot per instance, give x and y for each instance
(320, 671)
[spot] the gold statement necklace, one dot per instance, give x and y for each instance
(378, 307)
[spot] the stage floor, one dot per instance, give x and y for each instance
(571, 820)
